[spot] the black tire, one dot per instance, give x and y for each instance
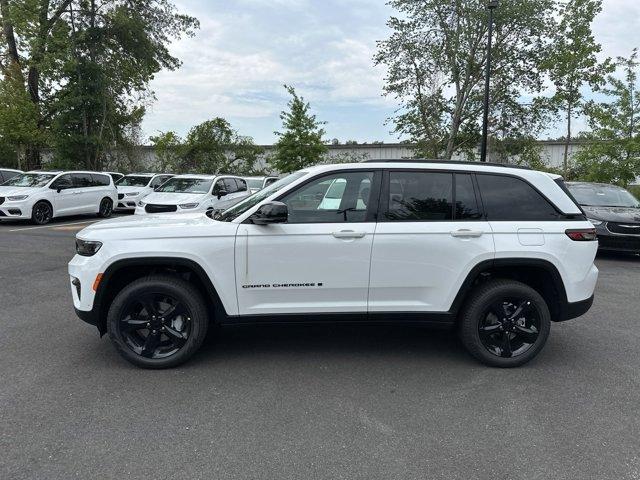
(106, 208)
(495, 332)
(152, 347)
(41, 213)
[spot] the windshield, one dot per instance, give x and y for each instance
(603, 196)
(186, 185)
(254, 182)
(29, 180)
(133, 181)
(239, 208)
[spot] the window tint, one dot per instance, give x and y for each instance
(420, 196)
(466, 203)
(101, 180)
(82, 180)
(230, 185)
(509, 198)
(242, 184)
(63, 181)
(337, 198)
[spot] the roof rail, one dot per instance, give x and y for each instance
(461, 162)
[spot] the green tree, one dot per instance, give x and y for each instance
(572, 61)
(211, 147)
(436, 57)
(86, 66)
(301, 144)
(18, 119)
(612, 154)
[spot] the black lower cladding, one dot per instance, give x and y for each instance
(89, 317)
(576, 309)
(155, 208)
(120, 196)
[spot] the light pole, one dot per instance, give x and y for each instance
(491, 6)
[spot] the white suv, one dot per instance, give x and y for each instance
(134, 187)
(497, 252)
(194, 193)
(41, 196)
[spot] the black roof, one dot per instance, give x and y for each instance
(449, 162)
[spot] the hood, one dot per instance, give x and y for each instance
(133, 189)
(15, 191)
(165, 225)
(162, 198)
(613, 214)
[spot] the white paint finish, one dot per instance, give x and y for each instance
(191, 236)
(419, 266)
(532, 237)
(574, 260)
(303, 253)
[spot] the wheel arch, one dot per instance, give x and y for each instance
(48, 202)
(122, 272)
(541, 275)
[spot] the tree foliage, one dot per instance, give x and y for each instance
(435, 59)
(211, 147)
(612, 154)
(572, 61)
(86, 67)
(301, 143)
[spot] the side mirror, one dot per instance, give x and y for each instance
(220, 192)
(272, 212)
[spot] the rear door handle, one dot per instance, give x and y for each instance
(466, 233)
(348, 234)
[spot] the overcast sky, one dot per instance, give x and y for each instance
(246, 49)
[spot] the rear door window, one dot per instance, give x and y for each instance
(82, 180)
(420, 196)
(509, 198)
(466, 202)
(230, 185)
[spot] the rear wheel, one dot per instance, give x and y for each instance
(158, 321)
(42, 213)
(505, 323)
(106, 208)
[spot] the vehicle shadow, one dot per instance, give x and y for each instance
(334, 339)
(618, 256)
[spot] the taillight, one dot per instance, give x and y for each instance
(582, 234)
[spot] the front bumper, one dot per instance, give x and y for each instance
(617, 242)
(20, 210)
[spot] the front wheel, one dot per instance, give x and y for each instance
(106, 208)
(158, 321)
(505, 323)
(42, 213)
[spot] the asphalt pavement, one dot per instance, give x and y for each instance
(294, 402)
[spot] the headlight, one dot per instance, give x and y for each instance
(594, 221)
(17, 197)
(87, 248)
(141, 203)
(132, 194)
(189, 205)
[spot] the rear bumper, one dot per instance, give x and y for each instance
(577, 309)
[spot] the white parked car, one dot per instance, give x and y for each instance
(7, 173)
(497, 252)
(194, 193)
(41, 195)
(134, 187)
(256, 184)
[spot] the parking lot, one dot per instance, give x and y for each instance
(308, 402)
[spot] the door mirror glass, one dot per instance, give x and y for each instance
(219, 189)
(272, 212)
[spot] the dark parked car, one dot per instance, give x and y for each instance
(613, 211)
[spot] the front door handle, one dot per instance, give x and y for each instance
(348, 234)
(466, 233)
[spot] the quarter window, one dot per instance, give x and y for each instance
(230, 185)
(416, 196)
(338, 198)
(509, 198)
(101, 180)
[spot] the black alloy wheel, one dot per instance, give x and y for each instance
(106, 208)
(158, 321)
(504, 323)
(510, 328)
(155, 325)
(42, 213)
